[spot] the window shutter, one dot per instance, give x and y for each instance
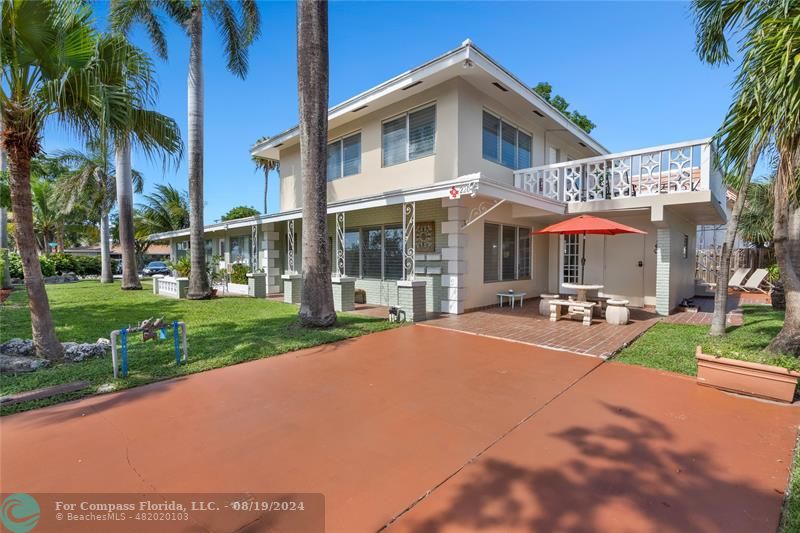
(422, 132)
(491, 252)
(352, 253)
(524, 151)
(509, 145)
(491, 137)
(334, 160)
(351, 154)
(393, 253)
(373, 250)
(509, 252)
(524, 252)
(394, 141)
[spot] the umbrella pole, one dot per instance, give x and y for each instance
(583, 257)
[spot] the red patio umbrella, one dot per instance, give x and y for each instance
(587, 224)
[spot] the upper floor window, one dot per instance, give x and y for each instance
(410, 136)
(344, 157)
(505, 144)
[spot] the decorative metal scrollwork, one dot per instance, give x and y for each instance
(290, 246)
(409, 240)
(254, 249)
(340, 265)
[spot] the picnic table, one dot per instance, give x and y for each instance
(581, 290)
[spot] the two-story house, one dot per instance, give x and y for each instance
(441, 174)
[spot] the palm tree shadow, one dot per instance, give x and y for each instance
(632, 463)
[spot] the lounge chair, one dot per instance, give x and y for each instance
(736, 279)
(756, 280)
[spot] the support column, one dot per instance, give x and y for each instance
(411, 299)
(271, 258)
(256, 284)
(664, 245)
(453, 256)
(292, 282)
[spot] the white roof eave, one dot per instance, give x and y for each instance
(268, 147)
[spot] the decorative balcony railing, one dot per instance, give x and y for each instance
(673, 168)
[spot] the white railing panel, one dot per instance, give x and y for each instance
(672, 168)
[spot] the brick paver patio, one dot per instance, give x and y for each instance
(525, 324)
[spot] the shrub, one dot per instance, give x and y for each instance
(182, 266)
(48, 269)
(63, 262)
(15, 265)
(239, 273)
(3, 252)
(88, 265)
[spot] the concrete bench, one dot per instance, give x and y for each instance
(574, 308)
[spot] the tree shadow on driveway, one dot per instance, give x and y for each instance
(630, 474)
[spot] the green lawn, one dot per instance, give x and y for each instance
(672, 346)
(790, 521)
(221, 332)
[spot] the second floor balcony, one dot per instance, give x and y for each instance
(668, 169)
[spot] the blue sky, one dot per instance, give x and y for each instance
(629, 66)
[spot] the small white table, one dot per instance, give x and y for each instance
(581, 290)
(512, 296)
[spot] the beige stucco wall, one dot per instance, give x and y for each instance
(374, 177)
(478, 293)
(471, 104)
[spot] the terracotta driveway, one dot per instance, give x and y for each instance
(462, 432)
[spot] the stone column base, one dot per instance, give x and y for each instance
(256, 284)
(411, 299)
(344, 293)
(292, 288)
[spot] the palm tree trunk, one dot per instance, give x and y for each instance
(106, 275)
(316, 307)
(198, 280)
(130, 278)
(45, 340)
(6, 275)
(786, 239)
(718, 320)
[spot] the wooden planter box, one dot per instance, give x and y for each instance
(754, 379)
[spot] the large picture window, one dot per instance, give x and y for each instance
(373, 253)
(410, 136)
(506, 252)
(344, 157)
(505, 144)
(352, 253)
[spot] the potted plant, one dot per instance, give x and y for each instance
(753, 379)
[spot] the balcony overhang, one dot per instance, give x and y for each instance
(468, 185)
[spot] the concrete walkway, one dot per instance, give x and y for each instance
(429, 430)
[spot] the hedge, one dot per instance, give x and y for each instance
(60, 263)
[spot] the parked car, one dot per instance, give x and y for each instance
(156, 267)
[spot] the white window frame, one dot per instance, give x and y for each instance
(406, 114)
(341, 140)
(516, 253)
(562, 256)
(513, 124)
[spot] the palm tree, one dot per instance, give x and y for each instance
(5, 276)
(755, 224)
(91, 181)
(266, 165)
(765, 112)
(239, 24)
(166, 209)
(316, 307)
(48, 219)
(53, 66)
